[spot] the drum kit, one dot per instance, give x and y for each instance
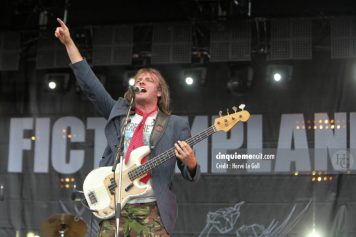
(63, 225)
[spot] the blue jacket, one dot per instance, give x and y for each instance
(177, 129)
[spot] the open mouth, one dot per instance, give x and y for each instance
(143, 90)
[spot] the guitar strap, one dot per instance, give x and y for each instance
(158, 128)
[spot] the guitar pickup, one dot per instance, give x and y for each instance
(92, 197)
(112, 186)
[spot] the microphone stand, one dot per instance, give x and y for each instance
(119, 159)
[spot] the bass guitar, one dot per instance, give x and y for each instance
(99, 186)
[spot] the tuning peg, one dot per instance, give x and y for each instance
(227, 111)
(242, 106)
(220, 113)
(234, 108)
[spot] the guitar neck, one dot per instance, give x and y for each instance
(158, 160)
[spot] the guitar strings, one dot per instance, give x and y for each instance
(151, 163)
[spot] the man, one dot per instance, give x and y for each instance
(154, 213)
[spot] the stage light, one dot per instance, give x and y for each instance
(314, 233)
(129, 79)
(67, 182)
(2, 198)
(132, 81)
(194, 76)
(189, 81)
(52, 85)
(57, 82)
(279, 73)
(31, 234)
(319, 177)
(277, 76)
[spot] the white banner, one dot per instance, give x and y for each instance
(325, 144)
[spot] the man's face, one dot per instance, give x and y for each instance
(149, 85)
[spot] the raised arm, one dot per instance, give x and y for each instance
(85, 76)
(63, 34)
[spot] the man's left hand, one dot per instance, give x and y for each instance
(185, 153)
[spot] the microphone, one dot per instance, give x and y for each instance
(135, 89)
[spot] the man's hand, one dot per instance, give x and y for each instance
(62, 33)
(186, 154)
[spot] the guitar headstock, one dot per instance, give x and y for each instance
(225, 123)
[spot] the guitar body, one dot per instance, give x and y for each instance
(99, 186)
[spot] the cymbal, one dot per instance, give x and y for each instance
(63, 225)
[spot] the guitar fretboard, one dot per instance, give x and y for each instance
(165, 156)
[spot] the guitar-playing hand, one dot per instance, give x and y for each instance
(186, 154)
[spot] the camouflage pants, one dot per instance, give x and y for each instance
(141, 219)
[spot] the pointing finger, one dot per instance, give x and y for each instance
(61, 23)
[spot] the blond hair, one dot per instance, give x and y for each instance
(163, 102)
